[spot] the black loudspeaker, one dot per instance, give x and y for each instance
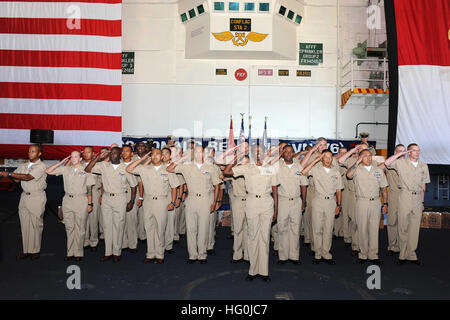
(41, 136)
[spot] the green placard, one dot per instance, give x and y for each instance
(127, 62)
(311, 54)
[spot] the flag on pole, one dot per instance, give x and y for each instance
(231, 135)
(265, 142)
(241, 134)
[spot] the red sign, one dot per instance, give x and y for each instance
(240, 74)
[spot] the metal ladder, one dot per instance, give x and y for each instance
(443, 188)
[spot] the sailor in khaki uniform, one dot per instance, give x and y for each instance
(32, 201)
(171, 232)
(351, 234)
(261, 209)
(291, 191)
(365, 140)
(77, 201)
(313, 153)
(157, 182)
(114, 204)
(180, 229)
(338, 231)
(413, 175)
(370, 181)
(238, 198)
(130, 236)
(209, 158)
(200, 178)
(92, 222)
(392, 217)
(142, 148)
(327, 183)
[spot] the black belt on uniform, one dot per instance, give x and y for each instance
(70, 195)
(370, 199)
(289, 198)
(113, 194)
(34, 192)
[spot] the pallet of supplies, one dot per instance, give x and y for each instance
(225, 218)
(435, 220)
(446, 220)
(424, 220)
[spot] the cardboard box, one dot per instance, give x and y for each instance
(424, 220)
(225, 218)
(435, 220)
(445, 220)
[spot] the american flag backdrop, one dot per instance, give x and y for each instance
(60, 69)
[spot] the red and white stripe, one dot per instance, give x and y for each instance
(57, 77)
(424, 77)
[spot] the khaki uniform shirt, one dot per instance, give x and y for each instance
(95, 177)
(334, 164)
(411, 178)
(368, 183)
(258, 180)
(75, 181)
(325, 183)
(114, 181)
(157, 182)
(393, 180)
(198, 180)
(37, 170)
(290, 179)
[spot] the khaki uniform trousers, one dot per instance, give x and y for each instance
(176, 235)
(349, 219)
(114, 206)
(182, 219)
(130, 235)
(239, 223)
(289, 218)
(409, 217)
(212, 230)
(275, 236)
(392, 221)
(368, 221)
(31, 214)
(337, 227)
(259, 213)
(142, 235)
(323, 213)
(169, 233)
(74, 208)
(92, 221)
(197, 224)
(307, 217)
(101, 232)
(155, 221)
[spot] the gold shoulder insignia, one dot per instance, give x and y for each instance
(223, 36)
(256, 37)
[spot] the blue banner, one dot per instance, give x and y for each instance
(221, 144)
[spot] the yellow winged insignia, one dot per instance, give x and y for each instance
(239, 38)
(223, 36)
(256, 37)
